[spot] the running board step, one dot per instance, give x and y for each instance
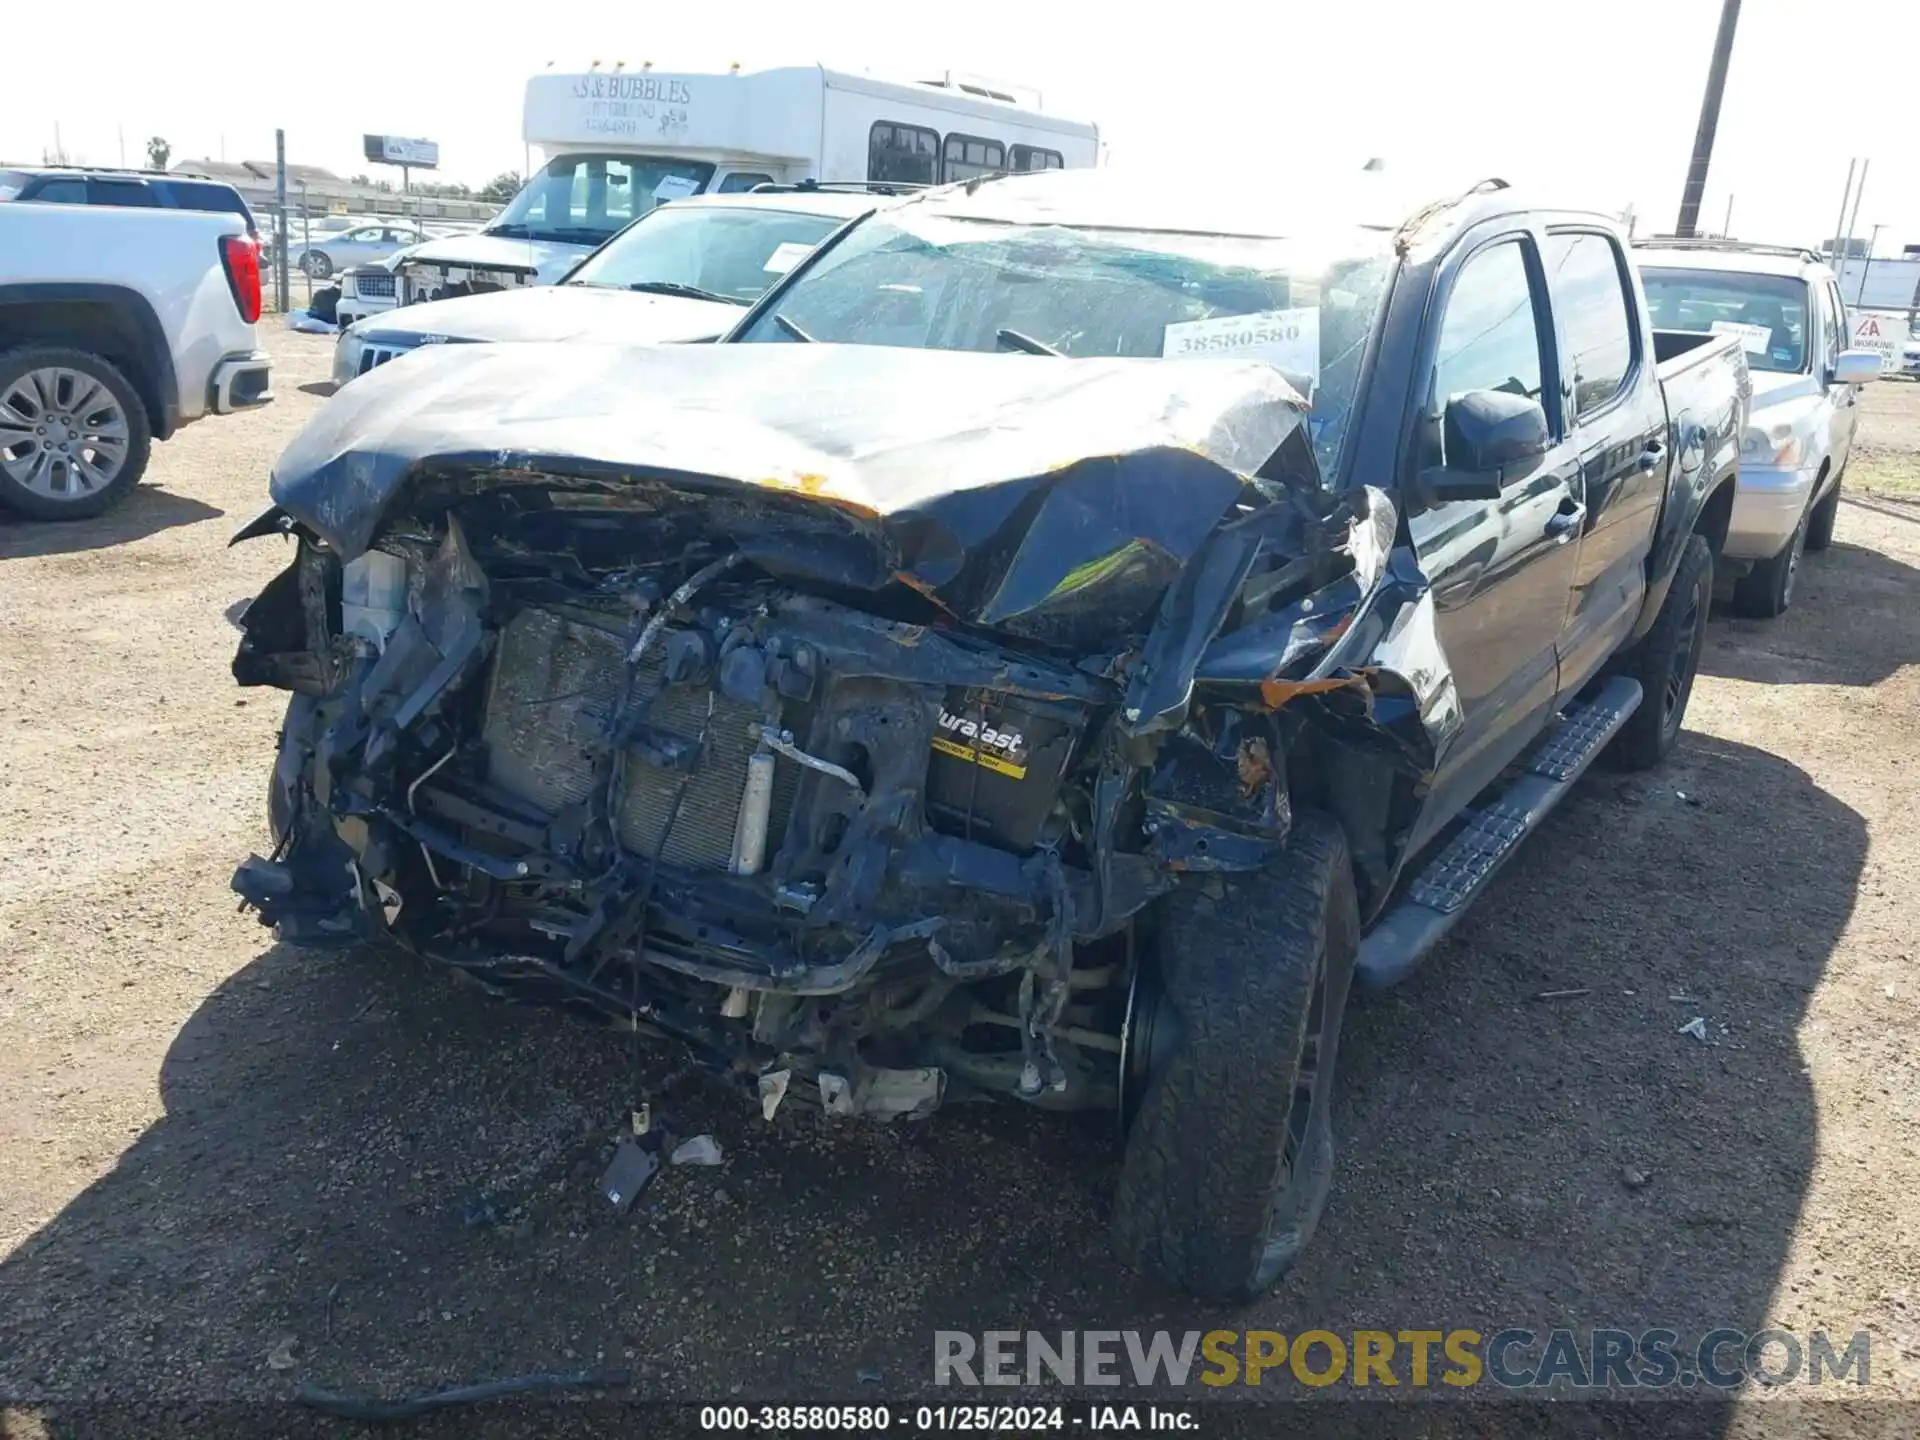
(1440, 893)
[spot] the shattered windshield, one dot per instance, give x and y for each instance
(929, 281)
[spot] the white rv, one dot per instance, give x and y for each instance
(615, 143)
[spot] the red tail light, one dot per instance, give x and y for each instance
(240, 254)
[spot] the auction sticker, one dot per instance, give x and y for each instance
(1754, 339)
(785, 256)
(1288, 338)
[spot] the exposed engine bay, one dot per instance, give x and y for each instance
(839, 712)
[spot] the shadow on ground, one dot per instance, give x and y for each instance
(147, 511)
(1894, 507)
(386, 1180)
(1851, 623)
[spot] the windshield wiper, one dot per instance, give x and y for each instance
(692, 292)
(509, 232)
(792, 329)
(1014, 340)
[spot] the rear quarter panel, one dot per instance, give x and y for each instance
(1708, 393)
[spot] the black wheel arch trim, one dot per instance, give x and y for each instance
(153, 376)
(1679, 518)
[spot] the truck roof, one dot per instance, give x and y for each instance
(123, 171)
(1746, 259)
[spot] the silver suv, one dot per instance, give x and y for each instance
(1786, 308)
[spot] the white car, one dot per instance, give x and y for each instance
(117, 327)
(1786, 308)
(684, 271)
(322, 255)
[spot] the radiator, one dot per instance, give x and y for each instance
(555, 683)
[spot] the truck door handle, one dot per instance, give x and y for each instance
(1564, 523)
(1650, 456)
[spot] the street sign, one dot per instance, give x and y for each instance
(1884, 334)
(398, 150)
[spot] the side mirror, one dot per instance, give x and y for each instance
(1485, 432)
(1856, 367)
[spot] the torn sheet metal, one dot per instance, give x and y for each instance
(1393, 648)
(1369, 632)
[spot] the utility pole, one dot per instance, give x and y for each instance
(1709, 120)
(280, 287)
(1860, 295)
(1859, 190)
(1840, 221)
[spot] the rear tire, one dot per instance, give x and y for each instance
(316, 264)
(74, 438)
(1230, 1158)
(1820, 523)
(1665, 663)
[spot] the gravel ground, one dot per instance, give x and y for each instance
(230, 1166)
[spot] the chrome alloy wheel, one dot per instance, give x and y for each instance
(63, 435)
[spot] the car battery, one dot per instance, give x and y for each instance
(996, 765)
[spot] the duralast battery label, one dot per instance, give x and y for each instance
(999, 748)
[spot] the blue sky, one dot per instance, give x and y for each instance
(1600, 99)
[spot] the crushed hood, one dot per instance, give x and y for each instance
(589, 313)
(1055, 499)
(547, 260)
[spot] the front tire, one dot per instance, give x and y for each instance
(1665, 663)
(1820, 523)
(317, 264)
(1230, 1158)
(73, 433)
(1765, 592)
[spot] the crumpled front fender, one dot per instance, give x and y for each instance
(1360, 621)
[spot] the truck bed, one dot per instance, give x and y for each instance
(1694, 367)
(1677, 350)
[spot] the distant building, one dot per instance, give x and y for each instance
(1882, 284)
(324, 191)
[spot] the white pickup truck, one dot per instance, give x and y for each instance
(117, 327)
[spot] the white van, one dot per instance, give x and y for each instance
(615, 143)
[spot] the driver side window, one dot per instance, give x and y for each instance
(1489, 336)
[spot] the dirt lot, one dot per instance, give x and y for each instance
(230, 1166)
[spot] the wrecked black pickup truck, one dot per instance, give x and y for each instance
(894, 726)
